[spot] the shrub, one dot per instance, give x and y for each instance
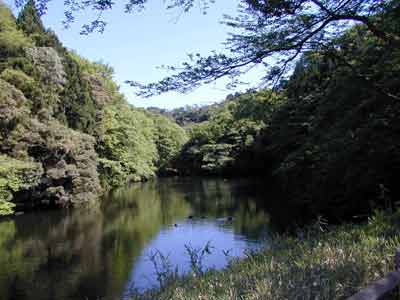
(14, 175)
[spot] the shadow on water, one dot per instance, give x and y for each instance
(102, 252)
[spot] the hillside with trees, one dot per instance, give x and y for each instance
(66, 133)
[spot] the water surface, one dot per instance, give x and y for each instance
(104, 252)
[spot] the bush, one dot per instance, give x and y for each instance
(14, 176)
(20, 80)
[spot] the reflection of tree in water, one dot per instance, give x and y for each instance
(58, 255)
(90, 253)
(134, 217)
(216, 198)
(46, 254)
(208, 197)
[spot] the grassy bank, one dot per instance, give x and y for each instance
(321, 262)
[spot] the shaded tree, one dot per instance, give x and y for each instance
(216, 145)
(77, 103)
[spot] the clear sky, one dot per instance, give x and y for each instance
(135, 44)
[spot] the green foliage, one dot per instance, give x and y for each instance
(327, 139)
(268, 33)
(99, 69)
(215, 145)
(31, 89)
(256, 105)
(44, 82)
(333, 144)
(188, 115)
(134, 144)
(77, 103)
(76, 106)
(339, 106)
(12, 40)
(126, 147)
(169, 139)
(38, 84)
(6, 207)
(20, 80)
(14, 175)
(29, 20)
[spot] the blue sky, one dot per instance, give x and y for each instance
(135, 44)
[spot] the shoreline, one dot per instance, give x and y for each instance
(320, 262)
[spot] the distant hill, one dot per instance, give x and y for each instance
(193, 114)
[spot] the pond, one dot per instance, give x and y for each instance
(109, 251)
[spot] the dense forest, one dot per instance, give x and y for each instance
(325, 139)
(66, 132)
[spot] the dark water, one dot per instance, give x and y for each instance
(104, 252)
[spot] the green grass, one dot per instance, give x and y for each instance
(318, 263)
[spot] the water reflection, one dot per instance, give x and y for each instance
(102, 252)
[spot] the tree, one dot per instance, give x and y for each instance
(271, 33)
(275, 34)
(12, 40)
(126, 146)
(29, 19)
(169, 139)
(219, 145)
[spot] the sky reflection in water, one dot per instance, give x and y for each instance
(103, 252)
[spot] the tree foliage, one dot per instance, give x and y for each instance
(29, 20)
(216, 144)
(328, 140)
(101, 70)
(55, 109)
(269, 33)
(275, 34)
(126, 147)
(14, 174)
(76, 106)
(331, 147)
(169, 139)
(134, 145)
(77, 103)
(12, 40)
(327, 137)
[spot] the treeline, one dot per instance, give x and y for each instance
(327, 140)
(217, 146)
(66, 132)
(190, 114)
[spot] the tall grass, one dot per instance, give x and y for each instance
(332, 262)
